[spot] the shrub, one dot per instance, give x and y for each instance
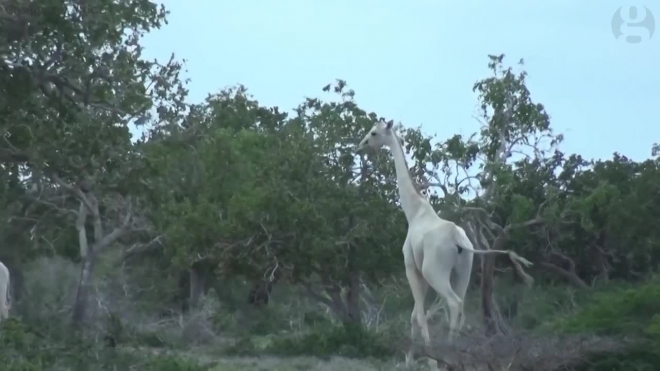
(623, 311)
(348, 340)
(23, 348)
(630, 360)
(172, 363)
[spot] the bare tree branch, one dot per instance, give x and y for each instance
(117, 232)
(76, 192)
(530, 223)
(316, 296)
(82, 234)
(569, 274)
(141, 248)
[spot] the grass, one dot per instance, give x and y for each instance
(301, 363)
(265, 363)
(294, 333)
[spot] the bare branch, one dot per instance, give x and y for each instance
(569, 274)
(117, 232)
(485, 230)
(96, 218)
(483, 217)
(48, 202)
(439, 184)
(76, 192)
(82, 233)
(141, 248)
(529, 223)
(571, 277)
(314, 295)
(469, 230)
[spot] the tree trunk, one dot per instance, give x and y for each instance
(601, 257)
(336, 304)
(82, 293)
(261, 290)
(333, 299)
(486, 276)
(183, 294)
(487, 283)
(492, 320)
(259, 294)
(88, 252)
(353, 293)
(353, 303)
(86, 268)
(198, 287)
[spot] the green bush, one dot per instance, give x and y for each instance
(541, 304)
(172, 363)
(622, 311)
(257, 321)
(23, 348)
(630, 360)
(348, 340)
(244, 346)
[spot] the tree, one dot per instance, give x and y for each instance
(362, 198)
(612, 205)
(246, 190)
(202, 169)
(72, 81)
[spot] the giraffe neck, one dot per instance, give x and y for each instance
(410, 198)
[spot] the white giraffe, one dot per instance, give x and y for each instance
(4, 292)
(433, 246)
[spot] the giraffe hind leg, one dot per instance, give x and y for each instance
(419, 288)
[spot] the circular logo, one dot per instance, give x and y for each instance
(634, 24)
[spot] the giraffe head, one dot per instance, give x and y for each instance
(380, 135)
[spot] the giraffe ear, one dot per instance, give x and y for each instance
(389, 124)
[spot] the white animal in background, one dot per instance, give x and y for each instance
(5, 297)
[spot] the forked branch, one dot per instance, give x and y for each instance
(116, 233)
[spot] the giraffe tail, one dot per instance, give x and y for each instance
(463, 242)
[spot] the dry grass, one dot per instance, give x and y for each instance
(298, 363)
(518, 351)
(263, 363)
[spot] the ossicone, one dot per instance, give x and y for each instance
(388, 124)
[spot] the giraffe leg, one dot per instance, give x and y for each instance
(417, 285)
(4, 305)
(463, 271)
(437, 274)
(415, 327)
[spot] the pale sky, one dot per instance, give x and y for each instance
(416, 61)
